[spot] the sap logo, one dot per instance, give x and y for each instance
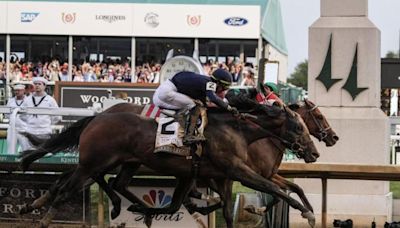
(235, 21)
(28, 17)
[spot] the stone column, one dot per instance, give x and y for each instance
(344, 80)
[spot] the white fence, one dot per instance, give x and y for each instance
(13, 112)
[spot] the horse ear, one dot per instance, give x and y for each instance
(294, 107)
(287, 110)
(307, 102)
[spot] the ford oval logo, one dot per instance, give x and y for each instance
(235, 21)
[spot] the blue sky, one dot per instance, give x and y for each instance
(298, 15)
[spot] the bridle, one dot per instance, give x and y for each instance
(295, 147)
(322, 132)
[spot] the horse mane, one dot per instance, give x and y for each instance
(245, 102)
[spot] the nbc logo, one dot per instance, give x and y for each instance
(157, 198)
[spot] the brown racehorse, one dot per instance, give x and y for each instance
(314, 120)
(136, 147)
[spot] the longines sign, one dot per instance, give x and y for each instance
(83, 95)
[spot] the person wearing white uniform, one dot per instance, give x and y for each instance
(40, 125)
(19, 101)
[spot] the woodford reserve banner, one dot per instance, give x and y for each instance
(83, 95)
(19, 189)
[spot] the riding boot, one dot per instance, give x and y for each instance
(190, 128)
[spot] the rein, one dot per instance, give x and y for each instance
(296, 147)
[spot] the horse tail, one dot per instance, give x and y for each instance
(67, 140)
(33, 139)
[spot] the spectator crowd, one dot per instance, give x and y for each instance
(113, 71)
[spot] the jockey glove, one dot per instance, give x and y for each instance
(233, 110)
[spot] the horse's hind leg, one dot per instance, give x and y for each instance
(121, 183)
(287, 185)
(48, 196)
(115, 199)
(73, 185)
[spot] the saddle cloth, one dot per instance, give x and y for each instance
(169, 132)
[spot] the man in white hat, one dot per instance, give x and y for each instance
(40, 125)
(19, 101)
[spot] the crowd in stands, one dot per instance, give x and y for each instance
(113, 71)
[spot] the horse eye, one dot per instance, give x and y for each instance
(299, 128)
(320, 117)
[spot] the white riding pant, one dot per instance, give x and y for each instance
(167, 96)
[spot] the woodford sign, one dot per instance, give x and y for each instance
(17, 190)
(83, 95)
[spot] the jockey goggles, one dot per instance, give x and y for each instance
(223, 83)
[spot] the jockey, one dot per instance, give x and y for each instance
(269, 94)
(179, 92)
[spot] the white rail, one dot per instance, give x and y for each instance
(13, 112)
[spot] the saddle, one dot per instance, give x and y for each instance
(171, 129)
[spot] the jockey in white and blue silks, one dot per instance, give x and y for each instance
(179, 91)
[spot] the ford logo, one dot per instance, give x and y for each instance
(235, 21)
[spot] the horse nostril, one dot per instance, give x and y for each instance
(335, 137)
(295, 147)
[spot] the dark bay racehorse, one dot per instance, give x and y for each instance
(263, 161)
(314, 120)
(100, 151)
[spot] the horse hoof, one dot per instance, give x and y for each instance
(115, 213)
(310, 217)
(253, 210)
(214, 200)
(134, 208)
(250, 208)
(148, 220)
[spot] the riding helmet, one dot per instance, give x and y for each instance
(273, 87)
(222, 77)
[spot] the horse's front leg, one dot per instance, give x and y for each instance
(251, 179)
(214, 202)
(287, 185)
(225, 191)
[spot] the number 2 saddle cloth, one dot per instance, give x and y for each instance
(170, 133)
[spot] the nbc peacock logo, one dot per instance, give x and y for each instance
(157, 198)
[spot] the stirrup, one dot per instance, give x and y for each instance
(191, 139)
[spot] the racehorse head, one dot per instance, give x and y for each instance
(298, 137)
(316, 122)
(282, 124)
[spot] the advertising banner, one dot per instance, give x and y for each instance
(124, 19)
(153, 194)
(203, 21)
(19, 189)
(83, 95)
(63, 18)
